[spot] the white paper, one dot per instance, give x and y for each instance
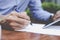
(38, 28)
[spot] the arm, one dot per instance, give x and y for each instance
(37, 11)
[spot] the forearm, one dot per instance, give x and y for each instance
(41, 15)
(37, 11)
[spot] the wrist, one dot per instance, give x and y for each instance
(51, 18)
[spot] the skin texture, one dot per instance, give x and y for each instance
(16, 20)
(57, 15)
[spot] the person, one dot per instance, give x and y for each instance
(7, 6)
(18, 20)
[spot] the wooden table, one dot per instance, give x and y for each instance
(11, 35)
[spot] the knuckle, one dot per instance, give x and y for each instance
(28, 18)
(11, 24)
(26, 22)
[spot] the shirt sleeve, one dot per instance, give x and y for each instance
(37, 11)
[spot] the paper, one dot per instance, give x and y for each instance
(38, 28)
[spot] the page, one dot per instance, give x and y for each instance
(38, 28)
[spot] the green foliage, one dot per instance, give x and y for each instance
(51, 7)
(28, 12)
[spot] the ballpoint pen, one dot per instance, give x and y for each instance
(31, 23)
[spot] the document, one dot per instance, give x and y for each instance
(38, 28)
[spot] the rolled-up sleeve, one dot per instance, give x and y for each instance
(37, 11)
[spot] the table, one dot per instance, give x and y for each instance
(14, 35)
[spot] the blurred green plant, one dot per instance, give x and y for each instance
(51, 7)
(28, 11)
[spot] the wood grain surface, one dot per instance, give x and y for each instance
(12, 35)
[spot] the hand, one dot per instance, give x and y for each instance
(56, 16)
(17, 20)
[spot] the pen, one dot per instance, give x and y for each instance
(51, 23)
(31, 23)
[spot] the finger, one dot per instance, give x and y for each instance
(15, 25)
(21, 15)
(13, 13)
(18, 20)
(56, 16)
(24, 15)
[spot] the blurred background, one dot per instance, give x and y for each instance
(51, 5)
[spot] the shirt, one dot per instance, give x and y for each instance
(7, 6)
